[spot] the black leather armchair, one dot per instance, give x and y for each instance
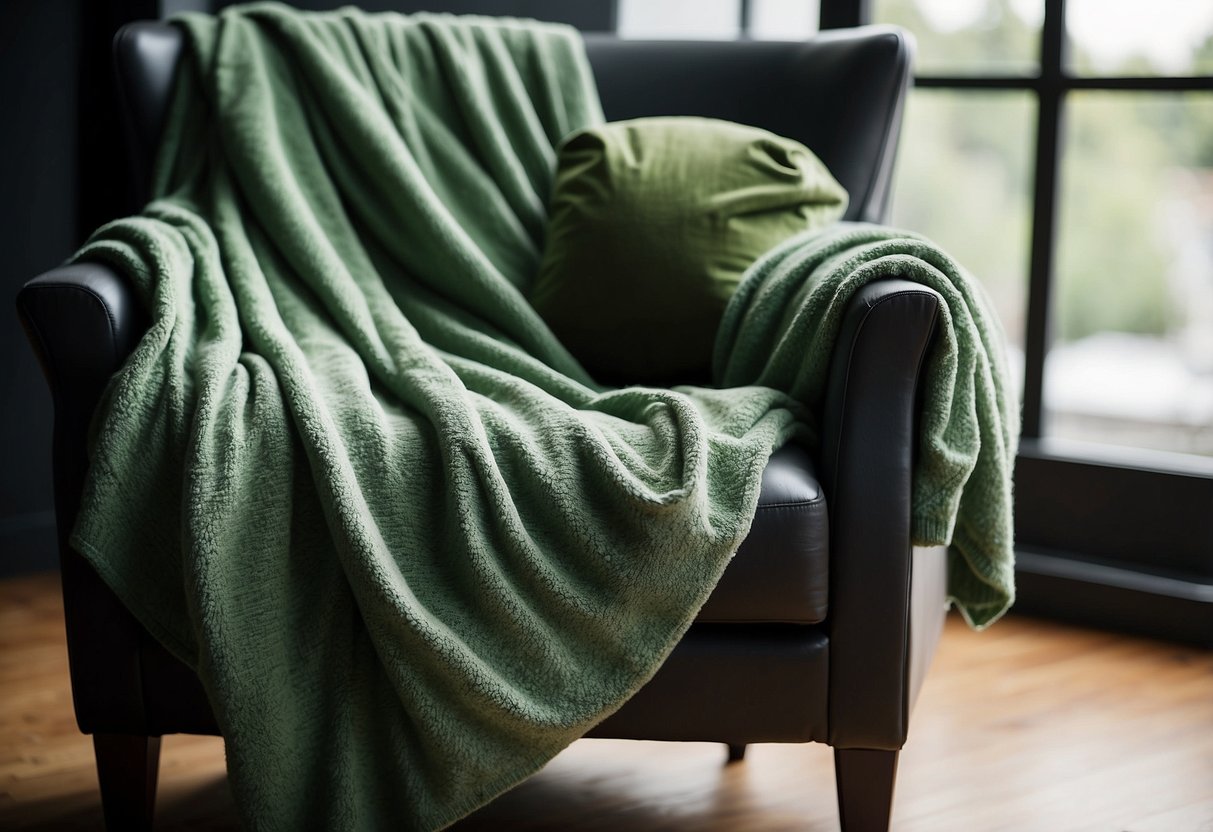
(824, 623)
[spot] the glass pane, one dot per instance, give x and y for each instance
(679, 19)
(1132, 37)
(969, 37)
(1132, 361)
(964, 179)
(784, 19)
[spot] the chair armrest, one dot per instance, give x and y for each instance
(83, 321)
(868, 441)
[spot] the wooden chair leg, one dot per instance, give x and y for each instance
(865, 782)
(127, 766)
(736, 752)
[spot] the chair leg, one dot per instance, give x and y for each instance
(127, 766)
(865, 782)
(736, 752)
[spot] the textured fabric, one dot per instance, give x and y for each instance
(779, 331)
(348, 474)
(410, 548)
(653, 221)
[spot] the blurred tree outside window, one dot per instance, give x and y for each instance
(969, 37)
(1131, 361)
(1133, 37)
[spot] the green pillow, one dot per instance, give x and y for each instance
(652, 223)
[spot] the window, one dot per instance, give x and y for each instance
(1125, 182)
(1132, 356)
(1102, 270)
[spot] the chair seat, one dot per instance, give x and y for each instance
(778, 576)
(780, 573)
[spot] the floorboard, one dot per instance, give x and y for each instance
(1027, 726)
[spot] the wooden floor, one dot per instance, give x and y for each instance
(1028, 726)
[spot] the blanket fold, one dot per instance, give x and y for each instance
(410, 547)
(779, 331)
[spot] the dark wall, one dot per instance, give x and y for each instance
(39, 42)
(63, 173)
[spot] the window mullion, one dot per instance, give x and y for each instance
(1051, 91)
(745, 17)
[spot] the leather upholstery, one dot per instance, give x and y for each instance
(781, 570)
(847, 680)
(723, 683)
(732, 683)
(868, 442)
(83, 320)
(145, 62)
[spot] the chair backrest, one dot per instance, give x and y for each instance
(840, 93)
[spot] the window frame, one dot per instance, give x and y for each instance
(1114, 537)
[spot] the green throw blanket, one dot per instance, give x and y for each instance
(411, 549)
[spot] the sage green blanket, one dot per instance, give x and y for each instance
(411, 549)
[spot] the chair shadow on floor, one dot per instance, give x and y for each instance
(594, 786)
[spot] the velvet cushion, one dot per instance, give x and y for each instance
(652, 223)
